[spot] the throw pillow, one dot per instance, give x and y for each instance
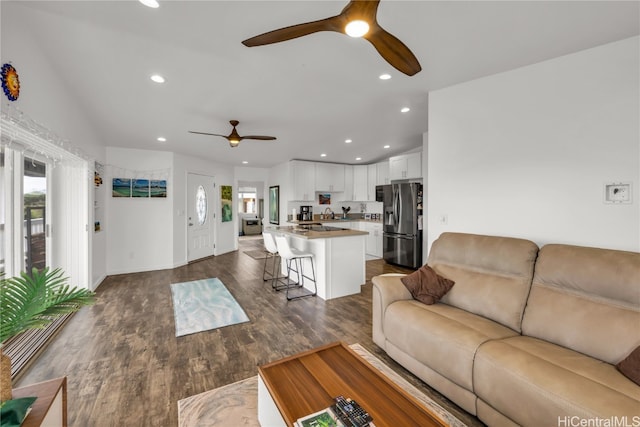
(630, 366)
(426, 285)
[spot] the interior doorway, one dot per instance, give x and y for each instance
(200, 216)
(250, 205)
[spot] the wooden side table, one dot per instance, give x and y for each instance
(50, 407)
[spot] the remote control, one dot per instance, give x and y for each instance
(350, 413)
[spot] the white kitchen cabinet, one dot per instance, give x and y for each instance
(373, 241)
(407, 166)
(348, 183)
(372, 177)
(382, 173)
(341, 224)
(359, 183)
(329, 177)
(303, 180)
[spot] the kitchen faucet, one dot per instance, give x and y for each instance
(329, 213)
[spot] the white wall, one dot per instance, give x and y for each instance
(44, 93)
(526, 153)
(139, 232)
(279, 175)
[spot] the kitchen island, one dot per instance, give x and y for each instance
(339, 257)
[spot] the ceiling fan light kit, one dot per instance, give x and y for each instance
(356, 28)
(363, 11)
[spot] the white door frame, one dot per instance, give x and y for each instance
(212, 219)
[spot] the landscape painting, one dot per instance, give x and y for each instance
(158, 188)
(226, 198)
(140, 188)
(121, 187)
(324, 199)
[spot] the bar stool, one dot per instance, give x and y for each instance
(272, 253)
(292, 255)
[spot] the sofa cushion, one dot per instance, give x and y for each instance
(426, 285)
(442, 337)
(630, 366)
(550, 381)
(492, 274)
(586, 299)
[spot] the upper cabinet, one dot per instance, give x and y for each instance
(372, 178)
(382, 173)
(406, 166)
(303, 178)
(329, 177)
(359, 183)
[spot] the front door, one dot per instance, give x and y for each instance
(200, 216)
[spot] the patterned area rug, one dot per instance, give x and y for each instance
(237, 404)
(202, 305)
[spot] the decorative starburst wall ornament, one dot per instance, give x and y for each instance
(10, 82)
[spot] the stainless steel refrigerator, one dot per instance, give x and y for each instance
(402, 223)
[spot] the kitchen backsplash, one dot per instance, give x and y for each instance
(356, 207)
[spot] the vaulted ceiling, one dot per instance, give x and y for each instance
(313, 92)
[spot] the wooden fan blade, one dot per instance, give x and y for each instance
(334, 23)
(393, 51)
(259, 137)
(212, 134)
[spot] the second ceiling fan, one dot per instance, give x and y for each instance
(357, 15)
(234, 138)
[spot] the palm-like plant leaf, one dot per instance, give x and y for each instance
(34, 301)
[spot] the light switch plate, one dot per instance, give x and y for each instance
(617, 192)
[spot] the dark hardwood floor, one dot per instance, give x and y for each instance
(125, 367)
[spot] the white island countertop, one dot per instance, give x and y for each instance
(338, 257)
(315, 231)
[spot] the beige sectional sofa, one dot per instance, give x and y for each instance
(526, 336)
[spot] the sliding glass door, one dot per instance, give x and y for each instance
(24, 217)
(34, 199)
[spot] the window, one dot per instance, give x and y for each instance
(201, 205)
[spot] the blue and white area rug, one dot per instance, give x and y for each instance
(202, 305)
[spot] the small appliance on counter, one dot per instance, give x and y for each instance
(306, 213)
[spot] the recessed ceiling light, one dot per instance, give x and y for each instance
(157, 78)
(323, 155)
(358, 158)
(162, 139)
(387, 146)
(405, 110)
(348, 141)
(357, 28)
(384, 76)
(244, 162)
(150, 3)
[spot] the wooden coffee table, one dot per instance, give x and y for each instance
(305, 383)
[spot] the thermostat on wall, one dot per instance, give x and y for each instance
(617, 192)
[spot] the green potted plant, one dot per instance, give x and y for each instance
(34, 301)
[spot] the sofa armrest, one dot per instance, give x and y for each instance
(387, 288)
